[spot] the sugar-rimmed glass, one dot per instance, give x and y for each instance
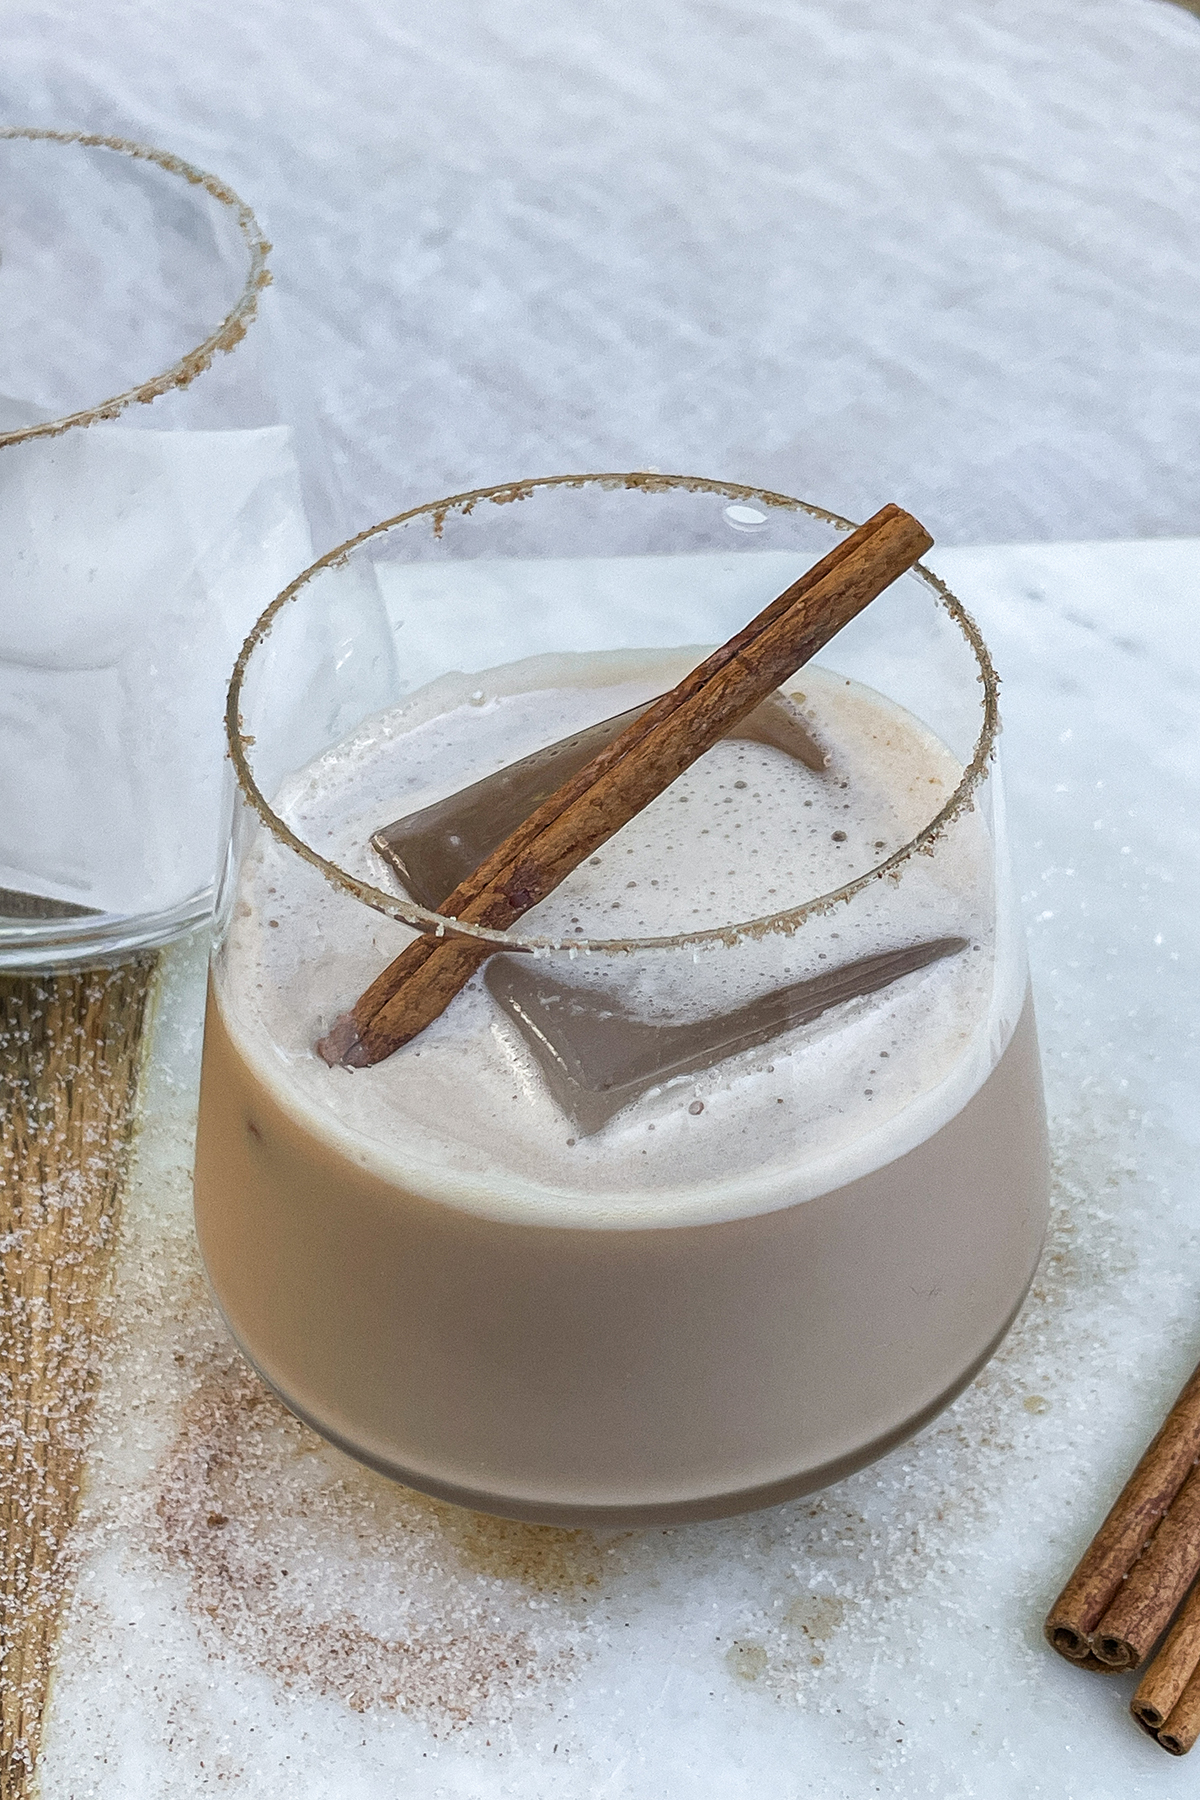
(150, 504)
(657, 1303)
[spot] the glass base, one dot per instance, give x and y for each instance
(692, 1510)
(48, 944)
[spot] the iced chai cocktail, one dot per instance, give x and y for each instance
(726, 1169)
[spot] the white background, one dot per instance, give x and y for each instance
(945, 252)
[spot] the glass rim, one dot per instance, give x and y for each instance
(788, 920)
(226, 336)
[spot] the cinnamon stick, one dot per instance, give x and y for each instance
(344, 1039)
(1162, 1702)
(622, 779)
(1183, 1727)
(1073, 1619)
(1143, 1604)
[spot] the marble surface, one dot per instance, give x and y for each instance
(945, 252)
(255, 1615)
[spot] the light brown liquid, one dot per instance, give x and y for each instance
(629, 1376)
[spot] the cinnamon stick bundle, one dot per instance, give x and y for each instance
(1109, 1575)
(622, 779)
(1167, 1703)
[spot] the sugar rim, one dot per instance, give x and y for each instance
(228, 334)
(787, 921)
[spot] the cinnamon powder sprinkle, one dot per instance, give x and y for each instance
(444, 1614)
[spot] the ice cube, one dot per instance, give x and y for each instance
(597, 1058)
(436, 848)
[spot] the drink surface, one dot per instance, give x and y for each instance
(464, 1113)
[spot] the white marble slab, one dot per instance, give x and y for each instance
(256, 1616)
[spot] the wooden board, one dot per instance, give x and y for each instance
(70, 1057)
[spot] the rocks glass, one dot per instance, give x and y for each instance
(778, 1252)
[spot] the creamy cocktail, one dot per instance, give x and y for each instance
(492, 1268)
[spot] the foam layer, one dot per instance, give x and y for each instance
(463, 1114)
